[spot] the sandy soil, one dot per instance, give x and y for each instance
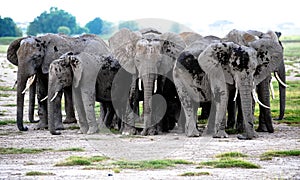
(171, 146)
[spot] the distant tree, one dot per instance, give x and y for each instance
(132, 25)
(49, 22)
(9, 28)
(80, 30)
(64, 30)
(95, 26)
(107, 27)
(175, 28)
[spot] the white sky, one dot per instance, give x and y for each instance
(196, 14)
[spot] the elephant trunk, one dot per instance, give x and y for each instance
(246, 103)
(148, 81)
(21, 84)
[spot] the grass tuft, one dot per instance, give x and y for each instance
(231, 155)
(195, 174)
(81, 161)
(22, 150)
(152, 164)
(269, 154)
(38, 173)
(229, 163)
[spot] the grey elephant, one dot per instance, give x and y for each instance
(145, 54)
(33, 56)
(262, 88)
(222, 64)
(90, 75)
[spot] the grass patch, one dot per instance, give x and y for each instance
(71, 149)
(6, 88)
(6, 122)
(22, 150)
(80, 161)
(10, 105)
(195, 174)
(38, 173)
(231, 155)
(269, 154)
(229, 163)
(152, 164)
(4, 95)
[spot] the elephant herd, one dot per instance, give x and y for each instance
(171, 74)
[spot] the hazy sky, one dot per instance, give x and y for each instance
(196, 14)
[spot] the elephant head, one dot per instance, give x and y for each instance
(146, 54)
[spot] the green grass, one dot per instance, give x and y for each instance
(6, 122)
(22, 150)
(80, 161)
(229, 163)
(38, 173)
(231, 155)
(195, 174)
(71, 149)
(269, 154)
(151, 164)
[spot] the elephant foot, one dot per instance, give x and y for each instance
(34, 121)
(93, 130)
(55, 132)
(128, 130)
(41, 126)
(70, 120)
(262, 128)
(221, 134)
(193, 133)
(59, 126)
(149, 131)
(246, 136)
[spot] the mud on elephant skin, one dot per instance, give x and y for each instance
(145, 54)
(33, 56)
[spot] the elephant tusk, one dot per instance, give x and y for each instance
(155, 85)
(140, 84)
(56, 93)
(272, 90)
(29, 83)
(44, 99)
(236, 93)
(257, 100)
(279, 80)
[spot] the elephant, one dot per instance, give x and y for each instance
(265, 119)
(33, 56)
(89, 74)
(146, 54)
(222, 65)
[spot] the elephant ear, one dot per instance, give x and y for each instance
(12, 51)
(240, 37)
(269, 55)
(122, 45)
(171, 47)
(77, 68)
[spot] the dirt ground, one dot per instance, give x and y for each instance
(116, 147)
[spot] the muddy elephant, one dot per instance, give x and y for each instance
(90, 75)
(33, 56)
(262, 89)
(223, 64)
(145, 54)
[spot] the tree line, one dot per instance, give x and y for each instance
(59, 21)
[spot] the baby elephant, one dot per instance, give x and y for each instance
(90, 76)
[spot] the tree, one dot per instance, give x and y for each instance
(95, 26)
(64, 30)
(49, 22)
(9, 28)
(175, 28)
(107, 27)
(132, 25)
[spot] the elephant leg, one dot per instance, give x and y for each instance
(205, 110)
(211, 126)
(265, 117)
(109, 117)
(42, 91)
(231, 109)
(79, 106)
(240, 120)
(89, 98)
(55, 116)
(69, 107)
